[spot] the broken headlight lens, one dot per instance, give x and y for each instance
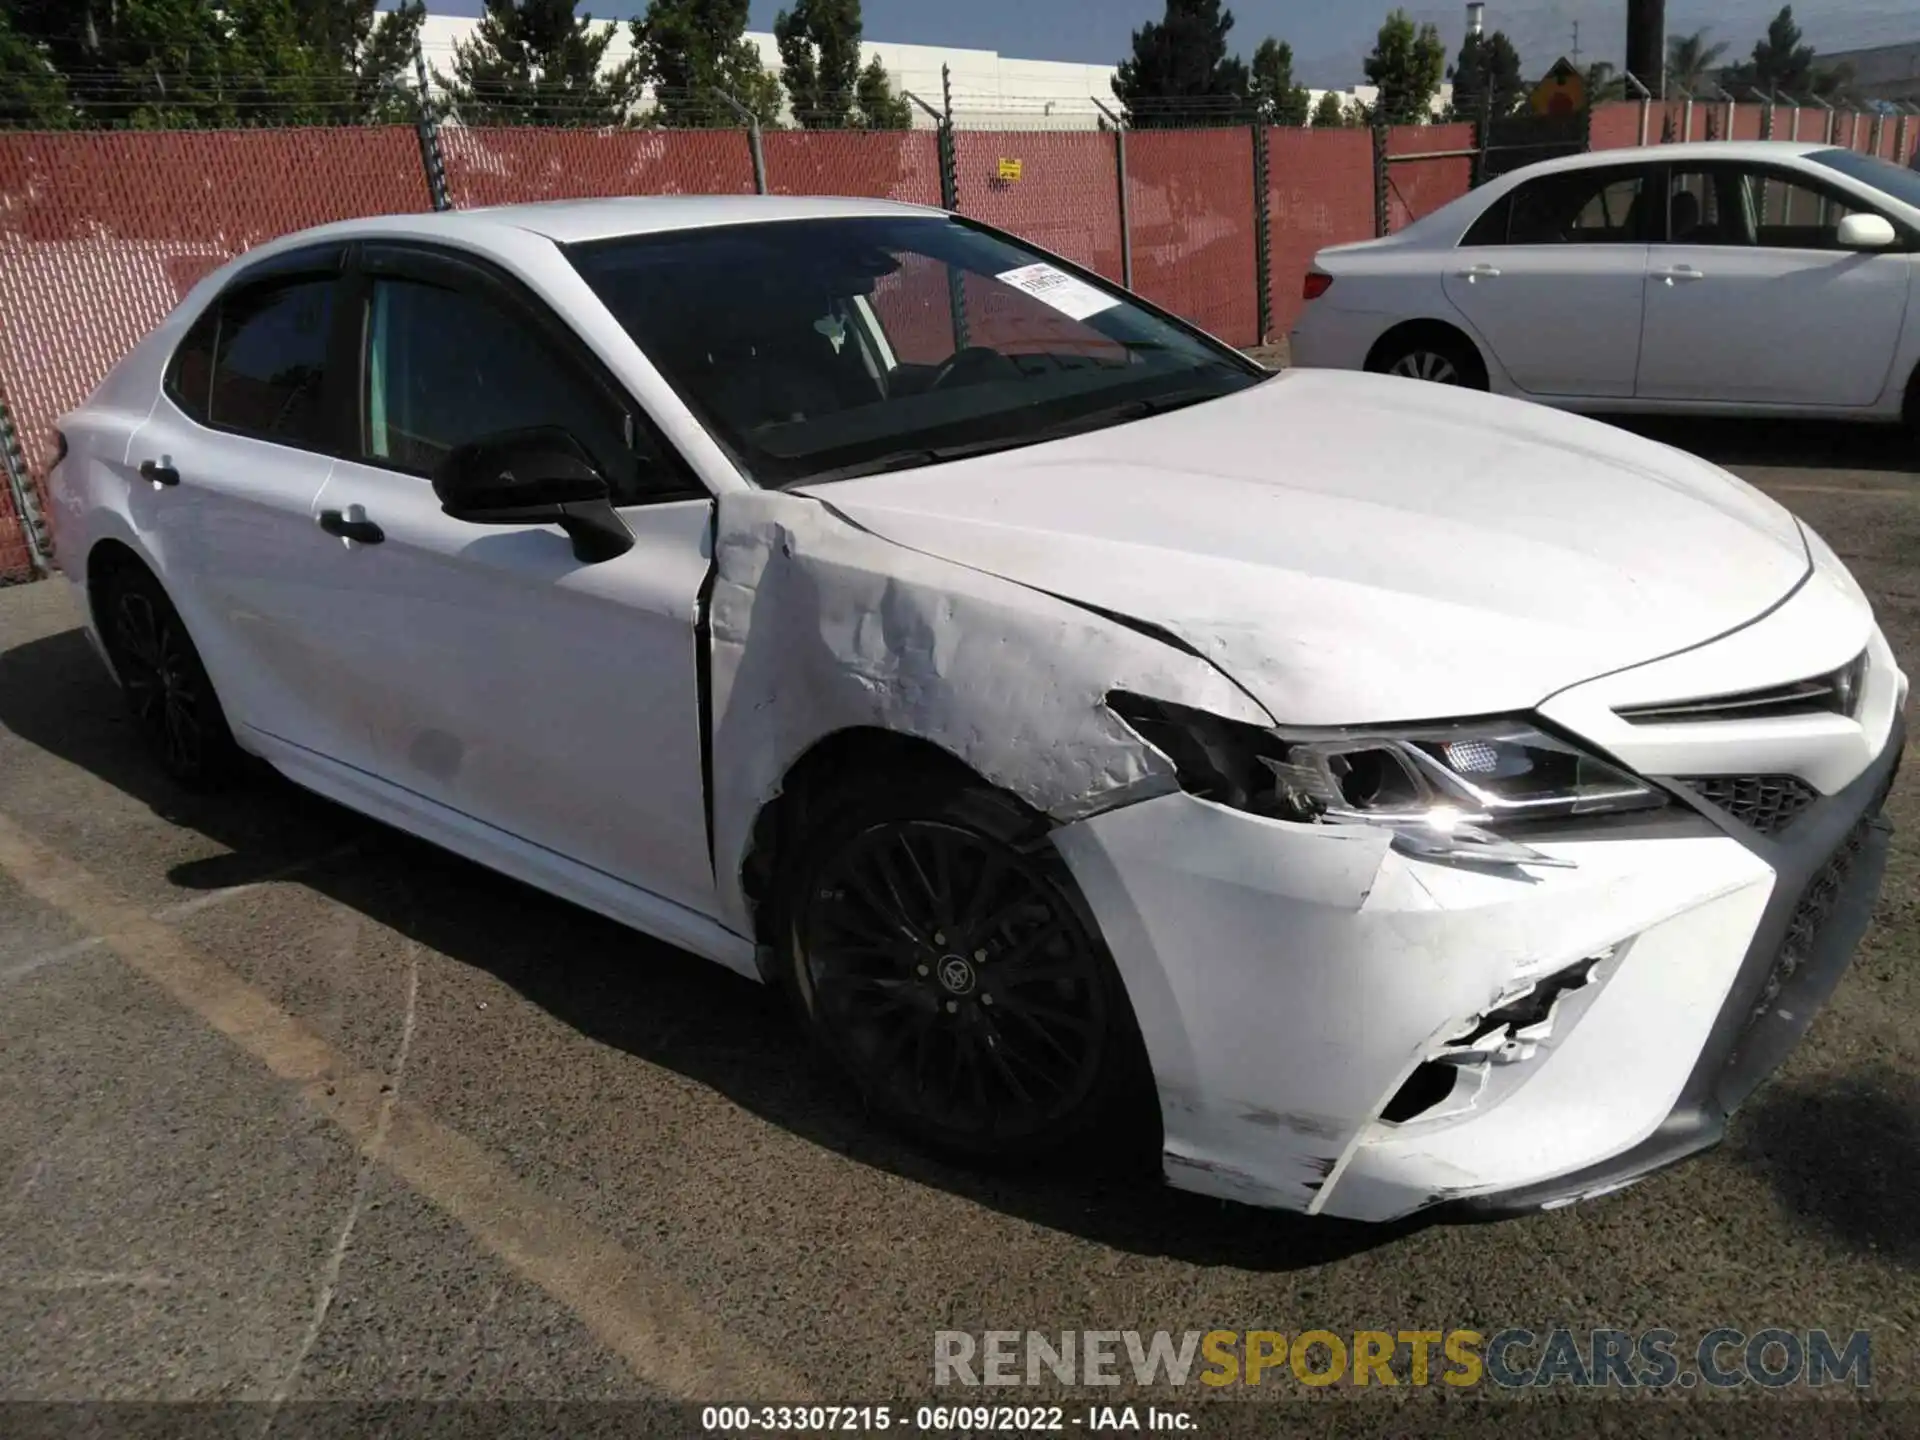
(1447, 791)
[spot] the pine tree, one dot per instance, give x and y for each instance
(1281, 100)
(881, 108)
(819, 44)
(1406, 64)
(1332, 112)
(1488, 64)
(1180, 72)
(687, 49)
(534, 62)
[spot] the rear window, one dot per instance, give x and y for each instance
(256, 362)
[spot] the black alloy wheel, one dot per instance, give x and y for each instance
(165, 685)
(951, 973)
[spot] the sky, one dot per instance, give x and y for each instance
(1329, 37)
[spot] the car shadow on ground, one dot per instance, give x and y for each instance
(1783, 443)
(1843, 1155)
(654, 1002)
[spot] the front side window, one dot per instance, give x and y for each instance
(256, 362)
(445, 367)
(1752, 206)
(820, 349)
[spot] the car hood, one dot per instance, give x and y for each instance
(1353, 548)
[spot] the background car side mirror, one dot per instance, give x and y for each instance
(533, 477)
(1867, 232)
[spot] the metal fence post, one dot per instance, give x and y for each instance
(26, 502)
(1380, 139)
(428, 130)
(754, 147)
(1262, 231)
(1120, 178)
(1482, 139)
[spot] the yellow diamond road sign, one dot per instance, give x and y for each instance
(1563, 92)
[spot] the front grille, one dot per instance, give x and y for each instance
(1834, 694)
(1766, 803)
(1810, 917)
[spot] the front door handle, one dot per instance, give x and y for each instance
(160, 472)
(1480, 272)
(1680, 275)
(365, 531)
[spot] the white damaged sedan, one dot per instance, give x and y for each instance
(1425, 797)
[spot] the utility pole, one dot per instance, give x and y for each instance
(1576, 44)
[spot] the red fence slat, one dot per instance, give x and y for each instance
(1190, 201)
(1319, 193)
(102, 234)
(1067, 198)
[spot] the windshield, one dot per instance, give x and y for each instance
(1882, 175)
(822, 349)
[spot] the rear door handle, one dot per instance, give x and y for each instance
(1680, 275)
(1477, 272)
(159, 472)
(364, 531)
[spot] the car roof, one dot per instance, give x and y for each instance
(571, 222)
(1694, 150)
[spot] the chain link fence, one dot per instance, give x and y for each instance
(102, 233)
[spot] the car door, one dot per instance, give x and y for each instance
(233, 458)
(1750, 298)
(502, 677)
(1553, 276)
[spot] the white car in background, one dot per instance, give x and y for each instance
(1727, 277)
(1094, 733)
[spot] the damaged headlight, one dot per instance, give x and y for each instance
(1458, 792)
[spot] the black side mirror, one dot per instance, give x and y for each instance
(533, 477)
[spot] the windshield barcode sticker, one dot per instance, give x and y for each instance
(1073, 298)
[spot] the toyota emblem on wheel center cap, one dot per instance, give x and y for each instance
(956, 974)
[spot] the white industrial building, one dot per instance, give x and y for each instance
(990, 91)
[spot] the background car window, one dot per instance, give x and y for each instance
(269, 362)
(1579, 207)
(446, 367)
(1702, 209)
(1794, 216)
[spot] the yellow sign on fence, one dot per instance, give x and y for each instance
(1010, 170)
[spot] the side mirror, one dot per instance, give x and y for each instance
(1867, 232)
(533, 477)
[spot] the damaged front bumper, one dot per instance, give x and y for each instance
(1343, 1030)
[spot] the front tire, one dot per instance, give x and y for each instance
(168, 695)
(944, 961)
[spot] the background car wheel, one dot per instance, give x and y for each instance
(1437, 358)
(946, 963)
(165, 686)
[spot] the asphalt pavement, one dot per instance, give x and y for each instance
(294, 1108)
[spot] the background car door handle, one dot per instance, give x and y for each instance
(159, 473)
(365, 531)
(1478, 272)
(1679, 275)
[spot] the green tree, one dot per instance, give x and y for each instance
(1782, 64)
(687, 49)
(534, 62)
(142, 63)
(197, 63)
(33, 95)
(1488, 66)
(1691, 60)
(819, 44)
(880, 107)
(1407, 64)
(1332, 113)
(1180, 72)
(1281, 100)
